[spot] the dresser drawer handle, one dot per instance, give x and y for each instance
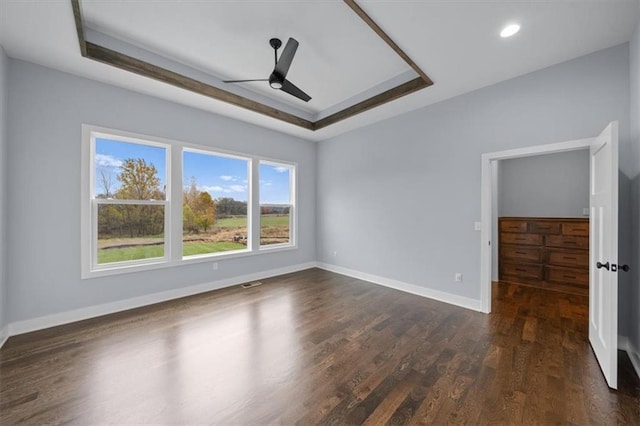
(521, 239)
(570, 277)
(521, 270)
(520, 252)
(570, 258)
(544, 227)
(570, 242)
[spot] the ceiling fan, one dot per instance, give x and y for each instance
(277, 78)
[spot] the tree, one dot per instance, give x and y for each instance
(198, 210)
(188, 219)
(205, 210)
(106, 182)
(139, 181)
(227, 206)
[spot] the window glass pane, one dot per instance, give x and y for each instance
(214, 208)
(129, 171)
(130, 232)
(275, 203)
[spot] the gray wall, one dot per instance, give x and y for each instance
(46, 111)
(634, 191)
(551, 185)
(398, 199)
(3, 190)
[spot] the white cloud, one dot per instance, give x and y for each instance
(228, 178)
(103, 160)
(281, 169)
(227, 189)
(214, 188)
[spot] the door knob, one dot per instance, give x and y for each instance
(603, 265)
(624, 267)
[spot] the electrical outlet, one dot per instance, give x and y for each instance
(458, 277)
(335, 253)
(477, 226)
(215, 266)
(585, 211)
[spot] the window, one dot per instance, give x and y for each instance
(151, 203)
(214, 203)
(129, 200)
(276, 203)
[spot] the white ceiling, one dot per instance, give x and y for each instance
(455, 42)
(339, 55)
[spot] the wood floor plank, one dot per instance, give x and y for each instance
(314, 347)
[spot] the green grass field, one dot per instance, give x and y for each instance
(148, 252)
(193, 247)
(265, 221)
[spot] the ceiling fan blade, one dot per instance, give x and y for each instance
(292, 89)
(282, 67)
(243, 81)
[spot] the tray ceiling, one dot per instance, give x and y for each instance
(339, 55)
(455, 42)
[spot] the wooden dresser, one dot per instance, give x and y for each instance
(550, 253)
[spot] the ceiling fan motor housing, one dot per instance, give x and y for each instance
(276, 80)
(275, 43)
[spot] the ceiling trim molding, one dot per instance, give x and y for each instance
(384, 36)
(128, 63)
(137, 66)
(387, 96)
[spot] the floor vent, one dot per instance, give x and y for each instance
(253, 284)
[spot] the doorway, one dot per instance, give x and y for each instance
(603, 237)
(488, 202)
(541, 207)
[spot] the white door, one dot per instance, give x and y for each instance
(603, 252)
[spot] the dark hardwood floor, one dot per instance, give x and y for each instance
(318, 348)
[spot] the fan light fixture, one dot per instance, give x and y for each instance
(509, 30)
(278, 78)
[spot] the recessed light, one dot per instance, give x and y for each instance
(509, 30)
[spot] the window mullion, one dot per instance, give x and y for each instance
(174, 221)
(254, 206)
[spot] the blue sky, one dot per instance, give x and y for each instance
(220, 176)
(274, 184)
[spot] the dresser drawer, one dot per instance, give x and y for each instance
(568, 276)
(525, 239)
(545, 228)
(564, 241)
(513, 225)
(522, 253)
(577, 259)
(522, 270)
(579, 229)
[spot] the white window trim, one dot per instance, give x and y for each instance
(293, 213)
(173, 213)
(250, 161)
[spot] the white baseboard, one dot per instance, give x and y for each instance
(4, 335)
(438, 295)
(34, 324)
(634, 354)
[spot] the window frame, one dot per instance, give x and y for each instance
(249, 161)
(173, 210)
(293, 210)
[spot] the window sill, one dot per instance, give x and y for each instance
(161, 264)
